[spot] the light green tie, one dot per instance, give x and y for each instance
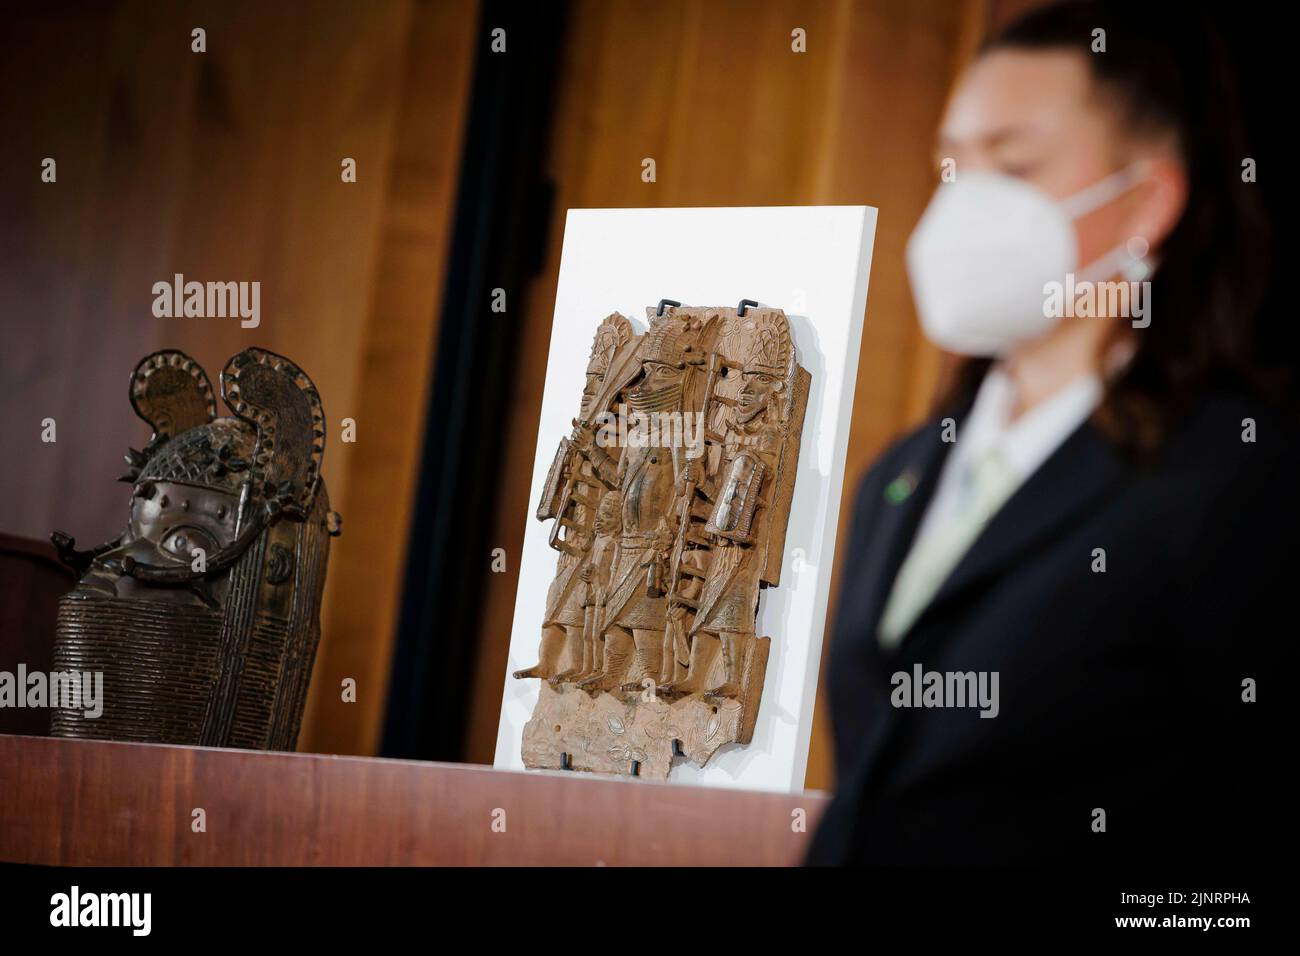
(990, 483)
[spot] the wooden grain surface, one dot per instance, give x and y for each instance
(75, 802)
(31, 583)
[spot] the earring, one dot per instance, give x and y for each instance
(1138, 270)
(1139, 267)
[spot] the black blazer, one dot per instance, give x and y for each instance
(1119, 690)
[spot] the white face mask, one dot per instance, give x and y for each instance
(986, 246)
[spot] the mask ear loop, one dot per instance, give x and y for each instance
(1121, 258)
(1119, 261)
(1105, 189)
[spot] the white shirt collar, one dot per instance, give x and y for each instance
(1024, 444)
(1029, 440)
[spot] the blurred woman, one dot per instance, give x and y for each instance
(1059, 592)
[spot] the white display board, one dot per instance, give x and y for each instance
(811, 261)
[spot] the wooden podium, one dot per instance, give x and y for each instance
(76, 802)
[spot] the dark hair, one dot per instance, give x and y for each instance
(1167, 71)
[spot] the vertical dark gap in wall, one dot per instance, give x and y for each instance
(500, 229)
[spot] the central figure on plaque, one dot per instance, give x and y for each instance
(670, 500)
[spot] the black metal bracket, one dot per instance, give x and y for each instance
(664, 302)
(744, 306)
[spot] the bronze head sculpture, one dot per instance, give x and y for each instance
(204, 614)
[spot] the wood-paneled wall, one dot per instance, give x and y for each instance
(225, 165)
(714, 93)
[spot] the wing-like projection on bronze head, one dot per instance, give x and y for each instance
(275, 396)
(171, 392)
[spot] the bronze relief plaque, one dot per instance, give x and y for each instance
(670, 500)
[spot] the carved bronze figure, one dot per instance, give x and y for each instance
(204, 614)
(570, 497)
(670, 499)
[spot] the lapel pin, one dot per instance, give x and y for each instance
(898, 490)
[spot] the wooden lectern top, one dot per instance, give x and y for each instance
(79, 802)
